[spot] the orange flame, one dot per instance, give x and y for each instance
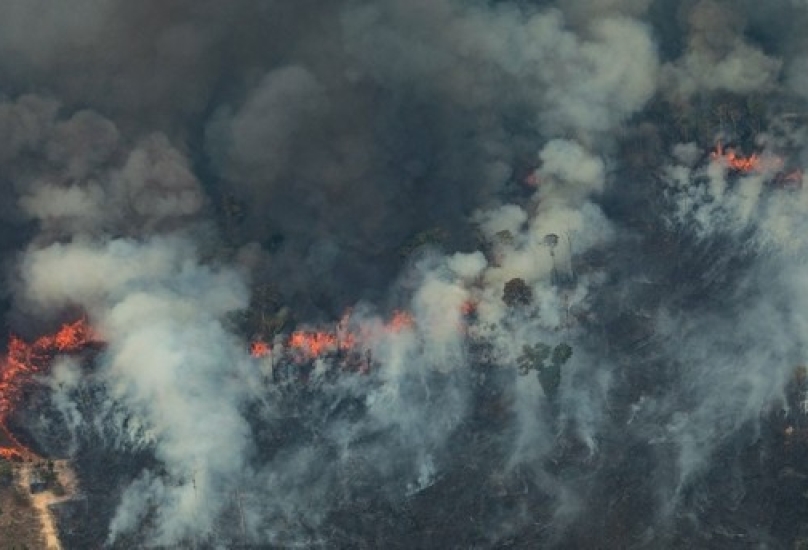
(317, 343)
(739, 163)
(310, 344)
(400, 321)
(23, 361)
(259, 349)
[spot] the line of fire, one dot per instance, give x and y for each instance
(24, 361)
(736, 162)
(297, 351)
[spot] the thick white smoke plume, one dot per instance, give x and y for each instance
(407, 207)
(169, 362)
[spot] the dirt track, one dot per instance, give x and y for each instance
(41, 501)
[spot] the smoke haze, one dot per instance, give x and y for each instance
(455, 192)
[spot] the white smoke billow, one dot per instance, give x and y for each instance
(405, 206)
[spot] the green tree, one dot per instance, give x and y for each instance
(561, 354)
(516, 292)
(535, 357)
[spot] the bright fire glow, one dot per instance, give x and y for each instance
(259, 349)
(23, 361)
(312, 344)
(739, 163)
(306, 345)
(400, 321)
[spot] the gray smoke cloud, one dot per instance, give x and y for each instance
(717, 55)
(161, 163)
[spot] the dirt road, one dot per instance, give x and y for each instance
(41, 501)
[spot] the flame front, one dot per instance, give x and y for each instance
(317, 343)
(744, 164)
(23, 361)
(305, 345)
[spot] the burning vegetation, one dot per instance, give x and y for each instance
(757, 163)
(22, 363)
(344, 341)
(426, 274)
(744, 164)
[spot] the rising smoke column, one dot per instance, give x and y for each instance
(144, 195)
(168, 360)
(336, 133)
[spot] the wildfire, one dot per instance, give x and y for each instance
(400, 321)
(23, 361)
(259, 349)
(744, 164)
(313, 344)
(770, 164)
(310, 344)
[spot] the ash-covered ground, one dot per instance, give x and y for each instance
(413, 274)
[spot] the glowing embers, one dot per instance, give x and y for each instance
(400, 321)
(346, 338)
(304, 345)
(259, 349)
(22, 362)
(753, 163)
(312, 344)
(11, 448)
(772, 167)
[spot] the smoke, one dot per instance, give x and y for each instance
(169, 361)
(717, 55)
(476, 189)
